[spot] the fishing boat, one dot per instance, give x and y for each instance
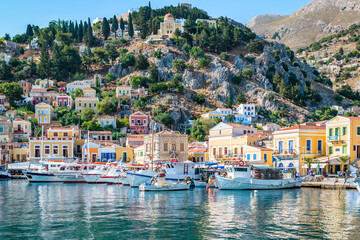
(159, 183)
(4, 174)
(116, 175)
(255, 178)
(73, 172)
(175, 171)
(46, 172)
(94, 175)
(203, 184)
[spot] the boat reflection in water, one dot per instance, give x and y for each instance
(86, 211)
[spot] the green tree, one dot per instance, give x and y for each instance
(153, 73)
(77, 93)
(256, 46)
(130, 26)
(108, 105)
(165, 118)
(204, 62)
(141, 62)
(247, 73)
(138, 81)
(80, 33)
(127, 60)
(122, 27)
(105, 28)
(69, 118)
(178, 65)
(5, 72)
(196, 52)
(91, 125)
(111, 52)
(29, 31)
(158, 54)
(87, 114)
(224, 56)
(343, 161)
(240, 98)
(199, 98)
(114, 25)
(230, 117)
(139, 104)
(12, 91)
(101, 56)
(229, 102)
(308, 161)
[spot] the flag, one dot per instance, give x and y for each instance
(155, 126)
(150, 126)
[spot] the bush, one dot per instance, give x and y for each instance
(250, 59)
(165, 118)
(199, 98)
(122, 41)
(123, 51)
(204, 62)
(236, 79)
(295, 64)
(127, 60)
(224, 56)
(285, 66)
(178, 65)
(247, 73)
(196, 52)
(158, 54)
(186, 48)
(190, 67)
(141, 62)
(109, 77)
(78, 76)
(256, 46)
(138, 81)
(158, 87)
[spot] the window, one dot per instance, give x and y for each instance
(47, 149)
(46, 111)
(173, 147)
(280, 147)
(308, 145)
(331, 132)
(214, 151)
(358, 131)
(45, 119)
(165, 147)
(344, 149)
(319, 145)
(265, 156)
(1, 128)
(55, 150)
(344, 131)
(37, 151)
(55, 134)
(182, 147)
(254, 157)
(337, 131)
(248, 157)
(66, 134)
(330, 150)
(291, 146)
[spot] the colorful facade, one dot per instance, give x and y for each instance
(46, 83)
(86, 102)
(72, 87)
(63, 100)
(139, 123)
(168, 27)
(258, 154)
(21, 126)
(106, 121)
(43, 113)
(89, 92)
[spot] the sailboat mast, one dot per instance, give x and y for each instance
(152, 145)
(88, 145)
(42, 143)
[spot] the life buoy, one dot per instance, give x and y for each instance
(159, 165)
(146, 166)
(234, 164)
(241, 163)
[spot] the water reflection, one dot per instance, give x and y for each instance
(81, 211)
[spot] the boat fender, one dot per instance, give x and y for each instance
(146, 166)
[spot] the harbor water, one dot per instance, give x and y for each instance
(85, 211)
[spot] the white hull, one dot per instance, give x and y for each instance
(35, 177)
(71, 178)
(110, 180)
(255, 184)
(170, 187)
(135, 179)
(201, 184)
(91, 178)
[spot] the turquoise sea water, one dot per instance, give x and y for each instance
(82, 211)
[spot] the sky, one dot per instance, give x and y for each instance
(16, 14)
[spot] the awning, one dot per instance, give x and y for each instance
(315, 165)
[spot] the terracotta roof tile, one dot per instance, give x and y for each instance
(298, 127)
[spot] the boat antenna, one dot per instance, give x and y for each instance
(152, 145)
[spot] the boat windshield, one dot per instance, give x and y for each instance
(240, 169)
(268, 173)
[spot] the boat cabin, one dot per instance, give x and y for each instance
(180, 168)
(265, 173)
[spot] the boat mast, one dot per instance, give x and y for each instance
(152, 145)
(88, 145)
(42, 143)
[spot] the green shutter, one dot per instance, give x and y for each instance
(330, 132)
(344, 131)
(330, 150)
(344, 149)
(358, 130)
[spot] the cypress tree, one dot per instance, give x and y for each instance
(115, 25)
(76, 30)
(130, 27)
(85, 28)
(80, 32)
(105, 28)
(29, 31)
(64, 28)
(122, 27)
(229, 102)
(72, 29)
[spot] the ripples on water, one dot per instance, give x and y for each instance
(82, 211)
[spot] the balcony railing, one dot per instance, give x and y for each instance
(334, 138)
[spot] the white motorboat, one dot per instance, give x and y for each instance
(255, 178)
(202, 184)
(46, 172)
(4, 174)
(73, 172)
(175, 171)
(93, 176)
(159, 183)
(116, 175)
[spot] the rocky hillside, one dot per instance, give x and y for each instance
(318, 19)
(224, 78)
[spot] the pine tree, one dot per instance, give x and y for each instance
(89, 38)
(29, 31)
(80, 31)
(240, 98)
(76, 30)
(229, 102)
(115, 25)
(122, 27)
(105, 28)
(130, 26)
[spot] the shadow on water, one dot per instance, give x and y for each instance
(82, 211)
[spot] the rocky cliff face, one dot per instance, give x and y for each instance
(312, 22)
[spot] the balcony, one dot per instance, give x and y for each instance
(336, 139)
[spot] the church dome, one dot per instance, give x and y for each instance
(168, 16)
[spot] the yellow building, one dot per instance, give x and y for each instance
(46, 83)
(293, 144)
(226, 141)
(198, 152)
(86, 102)
(58, 144)
(43, 113)
(21, 126)
(124, 154)
(168, 27)
(343, 139)
(257, 154)
(123, 91)
(92, 82)
(89, 92)
(20, 154)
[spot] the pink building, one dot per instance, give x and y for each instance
(26, 87)
(64, 100)
(139, 123)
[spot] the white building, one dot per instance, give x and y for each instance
(98, 19)
(247, 109)
(71, 87)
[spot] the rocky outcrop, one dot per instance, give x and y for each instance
(119, 71)
(193, 80)
(316, 20)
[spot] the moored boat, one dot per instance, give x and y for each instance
(159, 183)
(46, 172)
(255, 178)
(93, 176)
(4, 174)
